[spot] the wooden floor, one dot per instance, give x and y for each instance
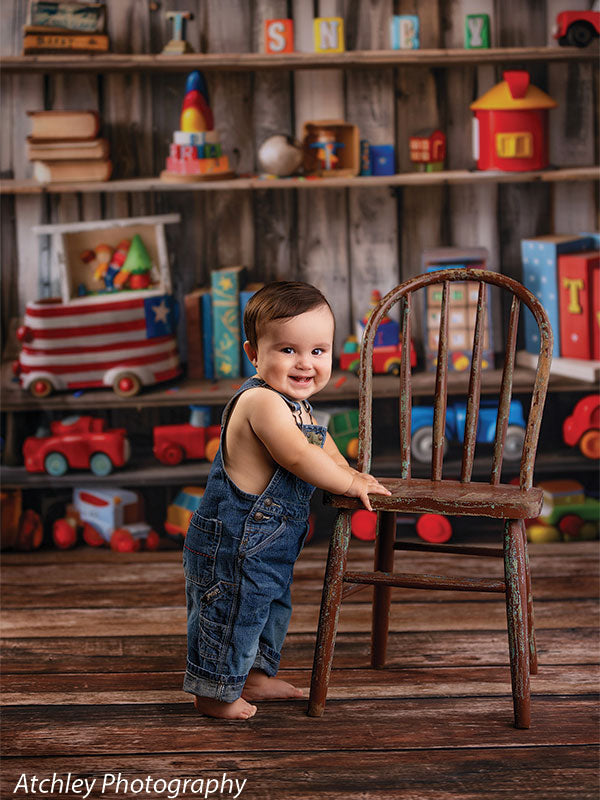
(94, 649)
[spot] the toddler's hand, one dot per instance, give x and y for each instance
(362, 486)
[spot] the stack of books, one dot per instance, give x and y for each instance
(214, 326)
(65, 146)
(65, 27)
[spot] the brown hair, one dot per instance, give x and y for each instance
(279, 300)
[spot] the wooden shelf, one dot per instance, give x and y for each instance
(254, 183)
(149, 472)
(342, 387)
(243, 62)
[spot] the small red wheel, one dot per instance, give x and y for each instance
(364, 525)
(152, 541)
(91, 536)
(126, 384)
(171, 455)
(434, 528)
(64, 534)
(41, 387)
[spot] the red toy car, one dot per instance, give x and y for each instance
(386, 359)
(192, 440)
(583, 426)
(77, 443)
(577, 28)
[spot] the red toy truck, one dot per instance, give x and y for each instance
(577, 28)
(192, 440)
(583, 426)
(77, 443)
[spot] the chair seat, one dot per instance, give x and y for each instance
(504, 501)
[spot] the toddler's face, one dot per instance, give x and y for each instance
(294, 354)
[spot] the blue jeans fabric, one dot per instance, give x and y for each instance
(238, 559)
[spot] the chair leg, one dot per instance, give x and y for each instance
(533, 662)
(329, 614)
(384, 562)
(516, 614)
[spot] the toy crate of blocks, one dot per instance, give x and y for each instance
(462, 309)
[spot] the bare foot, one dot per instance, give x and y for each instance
(239, 709)
(259, 686)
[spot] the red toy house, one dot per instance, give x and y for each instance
(428, 150)
(510, 128)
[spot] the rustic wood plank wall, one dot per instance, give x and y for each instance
(346, 241)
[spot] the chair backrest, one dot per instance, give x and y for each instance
(404, 293)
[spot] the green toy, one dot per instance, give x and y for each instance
(135, 272)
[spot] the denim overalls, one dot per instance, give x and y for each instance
(238, 558)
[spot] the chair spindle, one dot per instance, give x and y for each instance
(405, 391)
(441, 389)
(472, 414)
(505, 391)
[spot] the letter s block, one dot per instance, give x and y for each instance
(329, 34)
(279, 36)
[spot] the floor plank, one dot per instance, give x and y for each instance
(537, 773)
(171, 727)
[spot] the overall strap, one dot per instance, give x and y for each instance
(295, 406)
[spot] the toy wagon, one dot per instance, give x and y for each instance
(115, 321)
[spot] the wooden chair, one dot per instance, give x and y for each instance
(462, 497)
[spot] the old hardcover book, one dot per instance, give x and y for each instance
(71, 16)
(248, 369)
(65, 126)
(226, 284)
(192, 304)
(68, 151)
(71, 171)
(579, 304)
(64, 43)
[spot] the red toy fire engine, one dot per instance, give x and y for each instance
(192, 440)
(582, 427)
(577, 28)
(77, 443)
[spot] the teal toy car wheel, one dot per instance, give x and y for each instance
(56, 464)
(101, 465)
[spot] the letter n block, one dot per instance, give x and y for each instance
(279, 36)
(404, 32)
(477, 31)
(329, 34)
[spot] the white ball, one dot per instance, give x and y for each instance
(280, 155)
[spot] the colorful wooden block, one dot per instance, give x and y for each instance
(329, 34)
(539, 257)
(404, 32)
(579, 304)
(477, 31)
(188, 151)
(189, 137)
(212, 150)
(279, 36)
(382, 159)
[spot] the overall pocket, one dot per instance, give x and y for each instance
(260, 536)
(200, 550)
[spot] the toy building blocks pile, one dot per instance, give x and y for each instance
(195, 153)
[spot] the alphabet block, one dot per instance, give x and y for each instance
(329, 34)
(279, 36)
(404, 30)
(477, 31)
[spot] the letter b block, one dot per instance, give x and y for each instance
(404, 29)
(279, 36)
(329, 34)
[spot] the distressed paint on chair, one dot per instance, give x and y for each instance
(511, 503)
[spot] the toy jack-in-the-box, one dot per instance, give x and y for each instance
(462, 309)
(115, 321)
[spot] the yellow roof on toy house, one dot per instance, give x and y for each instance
(513, 93)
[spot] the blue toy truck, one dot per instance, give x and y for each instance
(422, 428)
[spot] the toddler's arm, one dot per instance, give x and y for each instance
(272, 422)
